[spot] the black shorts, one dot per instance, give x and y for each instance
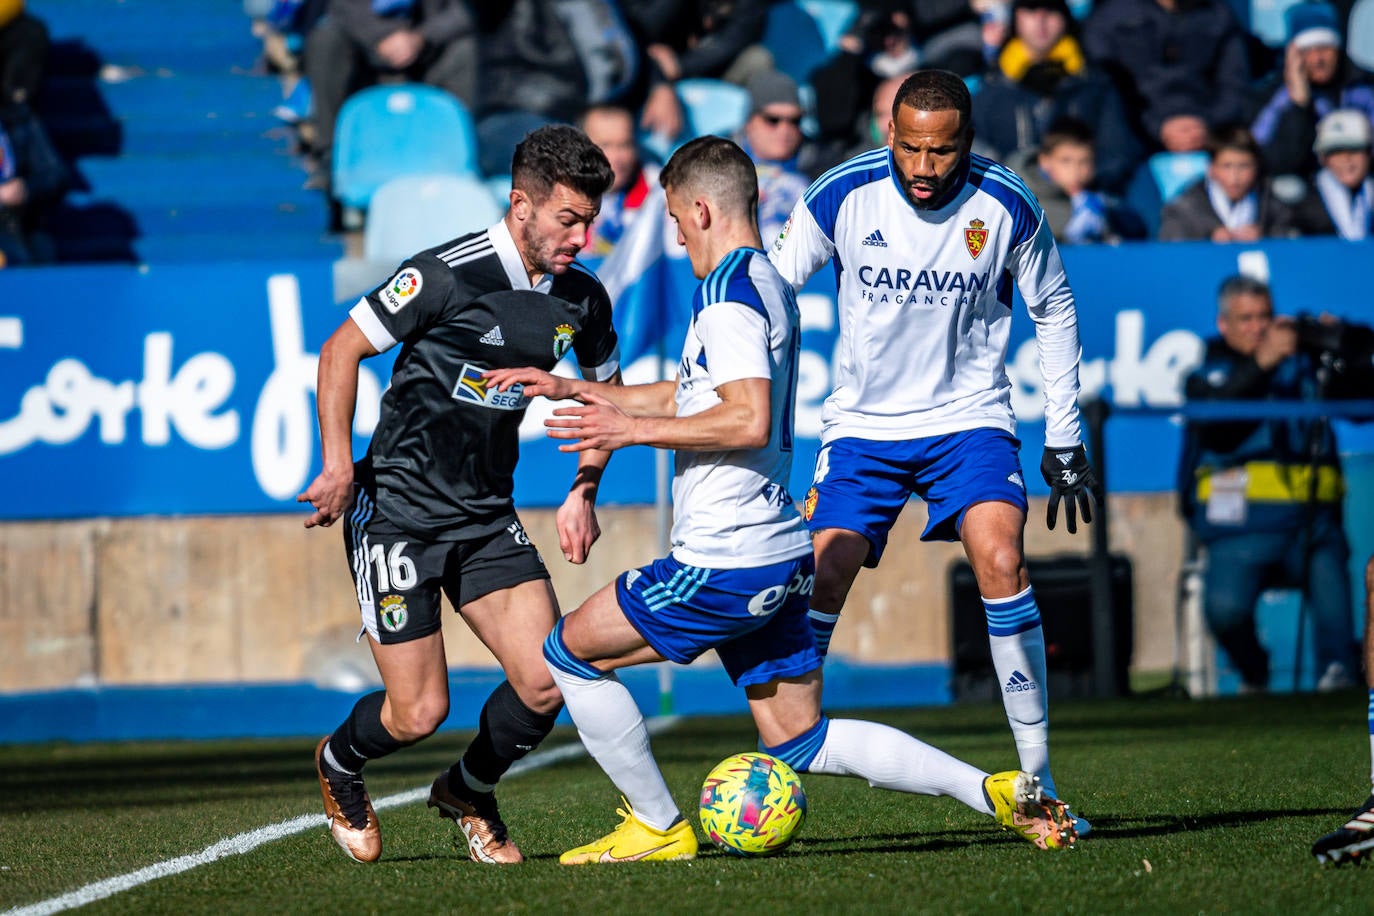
(398, 578)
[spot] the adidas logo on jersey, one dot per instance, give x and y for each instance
(875, 238)
(493, 337)
(1019, 683)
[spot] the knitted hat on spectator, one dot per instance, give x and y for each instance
(1312, 25)
(772, 88)
(1055, 6)
(1342, 129)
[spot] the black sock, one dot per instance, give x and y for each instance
(362, 736)
(509, 730)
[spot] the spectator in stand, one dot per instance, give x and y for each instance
(879, 47)
(1061, 176)
(1041, 76)
(772, 136)
(32, 180)
(1232, 202)
(1264, 496)
(544, 61)
(357, 42)
(612, 129)
(693, 39)
(958, 35)
(1181, 65)
(1340, 199)
(23, 52)
(1317, 79)
(869, 130)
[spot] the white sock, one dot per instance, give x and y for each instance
(892, 759)
(1018, 657)
(613, 731)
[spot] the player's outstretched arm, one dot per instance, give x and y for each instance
(654, 399)
(741, 420)
(336, 397)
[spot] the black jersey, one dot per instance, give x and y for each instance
(444, 451)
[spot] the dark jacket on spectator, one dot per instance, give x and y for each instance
(46, 176)
(1011, 115)
(1192, 61)
(1190, 215)
(1285, 131)
(531, 63)
(706, 34)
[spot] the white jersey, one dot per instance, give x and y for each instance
(731, 509)
(925, 301)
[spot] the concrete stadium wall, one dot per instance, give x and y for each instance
(253, 599)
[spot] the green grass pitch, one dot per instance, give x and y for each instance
(1197, 807)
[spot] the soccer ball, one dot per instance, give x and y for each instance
(752, 805)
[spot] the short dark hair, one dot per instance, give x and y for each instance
(559, 154)
(1066, 130)
(935, 90)
(1240, 285)
(719, 169)
(1235, 137)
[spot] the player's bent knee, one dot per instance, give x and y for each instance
(417, 721)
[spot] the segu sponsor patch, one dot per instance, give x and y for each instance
(475, 389)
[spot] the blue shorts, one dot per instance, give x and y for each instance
(754, 618)
(861, 484)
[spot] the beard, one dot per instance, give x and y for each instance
(939, 188)
(540, 253)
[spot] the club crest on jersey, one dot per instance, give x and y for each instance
(975, 237)
(474, 388)
(394, 613)
(401, 290)
(562, 340)
(809, 504)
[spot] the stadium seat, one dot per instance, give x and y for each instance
(713, 106)
(833, 18)
(499, 186)
(410, 213)
(795, 40)
(408, 129)
(1266, 20)
(1173, 172)
(1360, 45)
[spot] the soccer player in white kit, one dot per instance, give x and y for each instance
(740, 571)
(926, 239)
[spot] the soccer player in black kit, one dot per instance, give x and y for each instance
(429, 507)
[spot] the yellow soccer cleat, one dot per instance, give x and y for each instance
(1021, 805)
(635, 841)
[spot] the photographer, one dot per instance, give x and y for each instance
(1264, 496)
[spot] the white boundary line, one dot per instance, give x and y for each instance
(247, 842)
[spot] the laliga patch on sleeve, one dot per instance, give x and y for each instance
(401, 290)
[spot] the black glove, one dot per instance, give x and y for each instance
(1071, 479)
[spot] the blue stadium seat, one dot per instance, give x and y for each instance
(1173, 172)
(713, 106)
(1360, 43)
(408, 129)
(1266, 20)
(795, 40)
(833, 18)
(410, 213)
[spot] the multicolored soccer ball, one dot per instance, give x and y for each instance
(752, 805)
